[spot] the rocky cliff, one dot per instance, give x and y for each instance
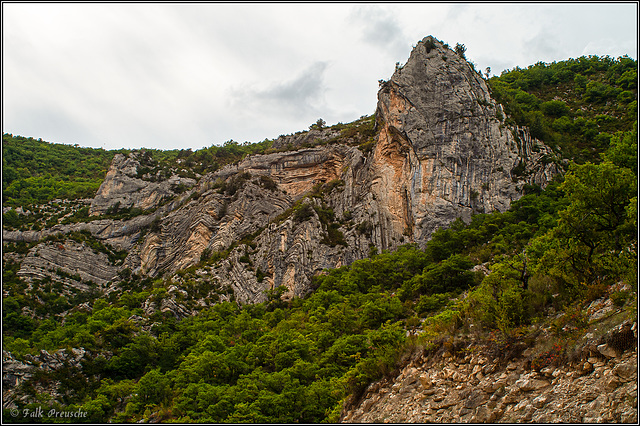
(440, 150)
(443, 150)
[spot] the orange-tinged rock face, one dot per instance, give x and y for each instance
(297, 172)
(392, 164)
(442, 153)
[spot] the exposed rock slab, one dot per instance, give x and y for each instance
(123, 188)
(70, 262)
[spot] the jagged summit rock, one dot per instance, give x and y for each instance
(125, 186)
(443, 150)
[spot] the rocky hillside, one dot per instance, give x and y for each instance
(467, 379)
(439, 151)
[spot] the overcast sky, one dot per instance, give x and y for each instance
(167, 76)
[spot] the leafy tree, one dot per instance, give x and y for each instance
(318, 125)
(449, 275)
(623, 150)
(554, 108)
(153, 388)
(594, 237)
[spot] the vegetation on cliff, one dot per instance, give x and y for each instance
(35, 172)
(574, 106)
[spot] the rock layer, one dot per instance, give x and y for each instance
(75, 264)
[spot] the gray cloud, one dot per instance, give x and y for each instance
(380, 28)
(300, 96)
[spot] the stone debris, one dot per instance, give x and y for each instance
(447, 390)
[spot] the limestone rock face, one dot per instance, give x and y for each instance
(73, 263)
(247, 200)
(443, 151)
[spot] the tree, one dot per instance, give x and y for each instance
(554, 108)
(318, 125)
(596, 225)
(623, 150)
(153, 388)
(460, 50)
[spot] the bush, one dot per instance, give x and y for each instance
(432, 303)
(619, 297)
(267, 183)
(499, 301)
(364, 228)
(451, 274)
(554, 108)
(302, 213)
(334, 236)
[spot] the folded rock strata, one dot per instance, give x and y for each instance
(441, 151)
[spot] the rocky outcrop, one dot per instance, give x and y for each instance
(470, 386)
(287, 251)
(16, 372)
(123, 187)
(296, 172)
(443, 151)
(305, 139)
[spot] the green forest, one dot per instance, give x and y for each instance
(299, 360)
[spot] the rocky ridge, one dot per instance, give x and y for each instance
(440, 151)
(124, 187)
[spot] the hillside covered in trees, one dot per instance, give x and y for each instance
(297, 359)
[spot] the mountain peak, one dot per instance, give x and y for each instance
(443, 149)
